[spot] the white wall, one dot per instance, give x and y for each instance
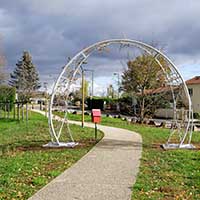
(195, 97)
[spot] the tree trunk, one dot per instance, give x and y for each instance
(142, 110)
(142, 107)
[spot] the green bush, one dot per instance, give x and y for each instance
(196, 115)
(98, 102)
(7, 95)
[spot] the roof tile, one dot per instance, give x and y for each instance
(194, 80)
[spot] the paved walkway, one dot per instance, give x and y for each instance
(107, 172)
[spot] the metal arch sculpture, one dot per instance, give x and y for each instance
(173, 79)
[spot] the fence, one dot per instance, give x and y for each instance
(14, 110)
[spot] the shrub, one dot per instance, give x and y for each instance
(7, 95)
(196, 115)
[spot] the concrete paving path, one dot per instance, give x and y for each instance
(107, 172)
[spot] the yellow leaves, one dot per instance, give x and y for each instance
(19, 194)
(182, 195)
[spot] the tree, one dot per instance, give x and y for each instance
(86, 84)
(143, 73)
(77, 94)
(25, 77)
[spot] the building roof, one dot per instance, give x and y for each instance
(194, 80)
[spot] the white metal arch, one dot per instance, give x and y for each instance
(173, 77)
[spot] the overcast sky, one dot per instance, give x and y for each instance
(55, 30)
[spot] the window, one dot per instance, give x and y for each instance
(190, 90)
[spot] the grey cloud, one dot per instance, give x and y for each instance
(54, 30)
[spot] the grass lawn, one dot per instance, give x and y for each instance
(25, 166)
(167, 175)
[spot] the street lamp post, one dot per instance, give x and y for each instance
(91, 70)
(83, 97)
(118, 84)
(92, 83)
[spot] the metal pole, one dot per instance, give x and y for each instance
(118, 86)
(96, 131)
(92, 83)
(118, 108)
(116, 73)
(91, 70)
(83, 98)
(118, 94)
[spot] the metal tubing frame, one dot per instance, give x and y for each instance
(81, 57)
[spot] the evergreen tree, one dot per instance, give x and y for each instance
(25, 77)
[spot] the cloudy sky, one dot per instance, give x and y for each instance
(55, 30)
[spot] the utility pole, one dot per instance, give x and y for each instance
(83, 91)
(92, 83)
(118, 83)
(83, 98)
(92, 71)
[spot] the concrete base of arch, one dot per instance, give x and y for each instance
(60, 144)
(178, 146)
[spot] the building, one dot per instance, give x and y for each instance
(38, 97)
(110, 91)
(194, 91)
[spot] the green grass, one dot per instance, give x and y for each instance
(173, 174)
(25, 166)
(18, 133)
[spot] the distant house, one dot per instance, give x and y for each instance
(38, 97)
(194, 91)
